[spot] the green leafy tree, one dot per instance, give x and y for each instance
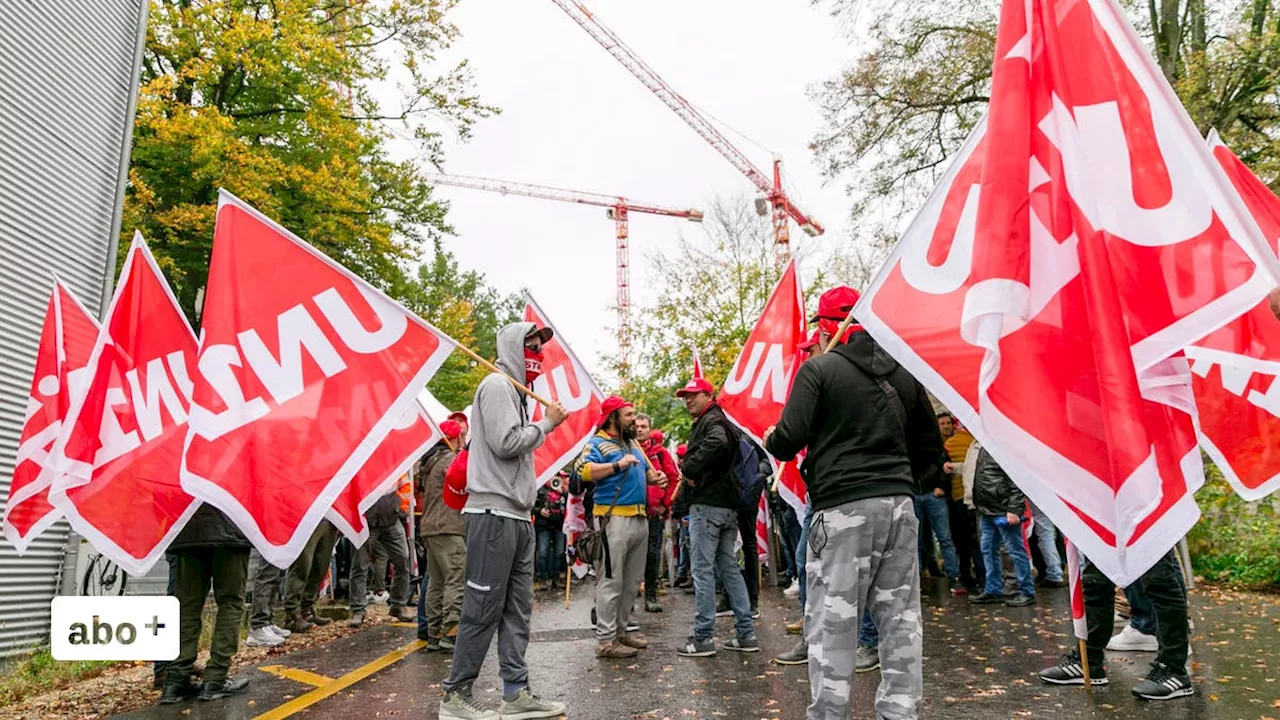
(710, 295)
(460, 303)
(274, 101)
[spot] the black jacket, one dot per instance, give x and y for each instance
(858, 447)
(993, 491)
(385, 512)
(208, 527)
(708, 465)
(554, 501)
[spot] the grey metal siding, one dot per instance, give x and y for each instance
(68, 72)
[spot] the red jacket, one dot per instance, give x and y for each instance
(659, 499)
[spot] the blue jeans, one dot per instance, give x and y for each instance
(1011, 536)
(868, 635)
(1142, 613)
(940, 520)
(423, 626)
(550, 552)
(1047, 540)
(713, 531)
(802, 554)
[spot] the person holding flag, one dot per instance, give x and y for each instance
(501, 490)
(870, 433)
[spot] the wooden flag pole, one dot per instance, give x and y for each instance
(1084, 666)
(494, 368)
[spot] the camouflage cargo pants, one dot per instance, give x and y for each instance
(864, 554)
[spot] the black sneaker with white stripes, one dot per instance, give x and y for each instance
(1069, 671)
(1163, 683)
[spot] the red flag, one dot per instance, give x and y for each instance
(1080, 240)
(791, 485)
(304, 369)
(66, 341)
(121, 445)
(1078, 622)
(1239, 401)
(697, 365)
(756, 390)
(563, 380)
(408, 440)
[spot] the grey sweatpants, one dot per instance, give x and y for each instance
(391, 540)
(628, 538)
(863, 554)
(497, 597)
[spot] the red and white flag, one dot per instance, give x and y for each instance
(697, 365)
(564, 380)
(304, 370)
(755, 391)
(1078, 622)
(791, 485)
(1236, 368)
(120, 449)
(408, 440)
(66, 341)
(1082, 238)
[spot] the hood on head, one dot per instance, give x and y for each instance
(511, 348)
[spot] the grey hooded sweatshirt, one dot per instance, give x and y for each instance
(500, 460)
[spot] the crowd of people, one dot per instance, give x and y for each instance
(892, 484)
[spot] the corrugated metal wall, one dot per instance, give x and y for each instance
(68, 73)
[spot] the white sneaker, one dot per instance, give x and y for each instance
(793, 590)
(382, 597)
(263, 637)
(1132, 640)
(280, 631)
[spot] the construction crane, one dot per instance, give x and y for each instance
(617, 209)
(775, 197)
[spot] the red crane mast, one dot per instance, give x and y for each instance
(617, 208)
(775, 196)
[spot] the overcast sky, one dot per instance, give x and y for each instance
(573, 117)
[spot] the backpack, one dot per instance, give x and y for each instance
(749, 479)
(455, 482)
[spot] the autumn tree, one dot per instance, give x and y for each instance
(896, 116)
(275, 101)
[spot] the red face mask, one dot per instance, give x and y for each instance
(532, 365)
(829, 328)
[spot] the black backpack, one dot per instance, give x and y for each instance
(748, 461)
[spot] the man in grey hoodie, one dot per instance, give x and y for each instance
(498, 594)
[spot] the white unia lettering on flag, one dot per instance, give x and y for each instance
(1079, 241)
(304, 370)
(118, 456)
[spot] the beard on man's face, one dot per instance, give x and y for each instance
(629, 432)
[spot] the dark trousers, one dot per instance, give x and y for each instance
(750, 552)
(790, 526)
(964, 533)
(497, 598)
(550, 553)
(307, 572)
(1162, 586)
(159, 666)
(653, 559)
(227, 570)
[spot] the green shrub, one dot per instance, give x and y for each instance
(39, 672)
(1235, 542)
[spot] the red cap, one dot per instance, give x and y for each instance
(657, 436)
(695, 386)
(451, 429)
(459, 417)
(814, 339)
(836, 303)
(682, 450)
(611, 404)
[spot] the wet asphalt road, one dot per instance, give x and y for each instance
(980, 662)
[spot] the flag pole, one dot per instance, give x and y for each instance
(835, 339)
(568, 578)
(494, 368)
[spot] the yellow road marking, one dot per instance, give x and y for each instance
(302, 676)
(303, 702)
